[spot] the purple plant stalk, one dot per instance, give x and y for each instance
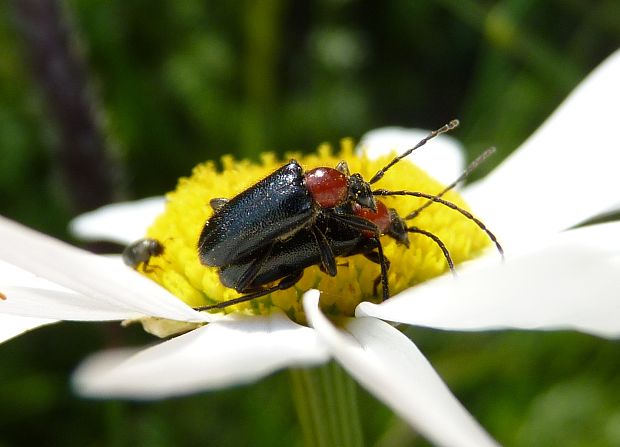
(89, 173)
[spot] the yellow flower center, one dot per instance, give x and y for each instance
(179, 270)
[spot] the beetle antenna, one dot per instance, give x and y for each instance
(432, 198)
(473, 165)
(440, 244)
(446, 128)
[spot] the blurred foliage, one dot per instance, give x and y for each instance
(181, 82)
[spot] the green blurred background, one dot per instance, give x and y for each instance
(140, 91)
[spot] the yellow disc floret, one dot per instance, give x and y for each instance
(179, 270)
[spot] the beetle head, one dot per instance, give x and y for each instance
(360, 192)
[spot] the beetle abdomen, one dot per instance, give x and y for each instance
(298, 252)
(275, 207)
(287, 257)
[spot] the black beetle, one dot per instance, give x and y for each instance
(288, 259)
(285, 202)
(348, 227)
(141, 251)
(276, 208)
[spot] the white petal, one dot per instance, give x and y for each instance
(12, 326)
(217, 355)
(571, 283)
(11, 275)
(60, 305)
(104, 280)
(390, 366)
(31, 296)
(565, 172)
(122, 222)
(442, 159)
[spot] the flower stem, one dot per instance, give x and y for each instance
(326, 403)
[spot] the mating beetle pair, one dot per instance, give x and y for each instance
(262, 239)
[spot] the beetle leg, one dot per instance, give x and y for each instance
(147, 268)
(385, 265)
(341, 264)
(373, 256)
(286, 283)
(217, 202)
(356, 222)
(328, 260)
(248, 276)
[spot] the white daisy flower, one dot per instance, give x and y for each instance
(551, 278)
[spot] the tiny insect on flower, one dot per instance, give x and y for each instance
(141, 251)
(268, 236)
